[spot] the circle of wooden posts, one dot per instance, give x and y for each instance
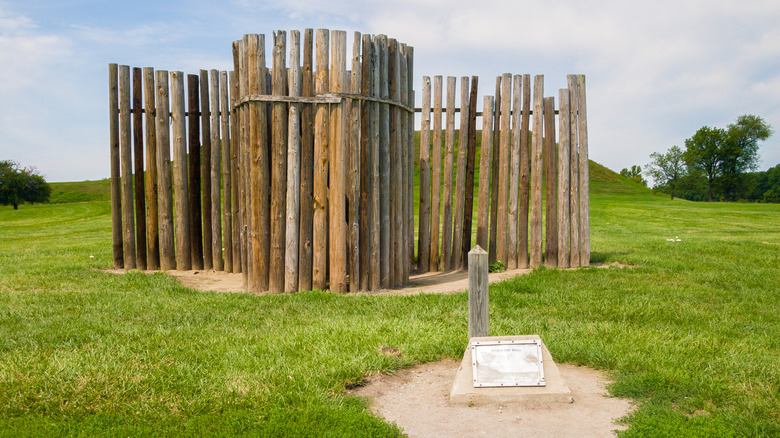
(300, 174)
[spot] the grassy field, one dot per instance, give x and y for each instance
(691, 330)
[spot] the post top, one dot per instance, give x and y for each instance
(477, 250)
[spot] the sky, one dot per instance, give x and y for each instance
(656, 71)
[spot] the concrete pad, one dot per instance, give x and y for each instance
(555, 391)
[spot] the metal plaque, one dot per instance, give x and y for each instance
(507, 363)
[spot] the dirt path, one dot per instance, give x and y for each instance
(417, 400)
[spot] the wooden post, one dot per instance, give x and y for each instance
(180, 180)
(424, 235)
(582, 129)
(384, 166)
(205, 171)
(574, 210)
(550, 185)
(502, 252)
(242, 167)
(514, 171)
(227, 201)
(485, 163)
(193, 155)
(216, 204)
(128, 226)
(338, 167)
(366, 163)
(449, 155)
(403, 150)
(293, 169)
(494, 173)
(165, 186)
(152, 229)
(307, 166)
(472, 152)
(460, 179)
(321, 166)
(374, 179)
(354, 170)
(257, 159)
(535, 238)
(436, 174)
(564, 187)
(278, 165)
(393, 79)
(116, 192)
(410, 168)
(138, 165)
(525, 171)
(235, 173)
(479, 293)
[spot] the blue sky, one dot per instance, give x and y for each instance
(656, 71)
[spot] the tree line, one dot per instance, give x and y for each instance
(21, 184)
(717, 164)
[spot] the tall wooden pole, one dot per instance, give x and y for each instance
(550, 185)
(138, 174)
(564, 187)
(485, 164)
(424, 235)
(321, 165)
(293, 169)
(460, 179)
(535, 235)
(307, 165)
(165, 185)
(152, 227)
(205, 170)
(193, 155)
(514, 171)
(180, 177)
(116, 191)
(525, 175)
(128, 220)
(338, 166)
(582, 130)
(226, 168)
(436, 173)
(218, 263)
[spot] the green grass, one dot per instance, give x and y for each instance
(84, 191)
(691, 331)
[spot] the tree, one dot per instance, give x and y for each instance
(19, 185)
(739, 151)
(703, 152)
(667, 169)
(635, 174)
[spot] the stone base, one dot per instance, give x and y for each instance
(555, 391)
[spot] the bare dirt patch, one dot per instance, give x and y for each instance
(417, 400)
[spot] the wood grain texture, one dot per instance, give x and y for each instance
(384, 165)
(235, 174)
(478, 293)
(278, 165)
(514, 171)
(204, 176)
(321, 165)
(584, 188)
(365, 162)
(574, 210)
(218, 263)
(226, 170)
(535, 233)
(354, 169)
(338, 166)
(485, 164)
(525, 177)
(293, 209)
(502, 252)
(436, 173)
(307, 165)
(374, 181)
(424, 234)
(165, 183)
(116, 185)
(152, 228)
(126, 164)
(460, 178)
(449, 156)
(494, 174)
(470, 166)
(193, 154)
(180, 174)
(564, 187)
(550, 185)
(138, 171)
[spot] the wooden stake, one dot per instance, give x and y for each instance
(535, 237)
(525, 175)
(205, 170)
(128, 234)
(514, 171)
(194, 170)
(152, 229)
(564, 187)
(478, 293)
(460, 179)
(374, 178)
(307, 166)
(321, 166)
(424, 242)
(293, 168)
(472, 152)
(338, 167)
(485, 163)
(384, 166)
(494, 174)
(278, 165)
(550, 185)
(165, 186)
(138, 165)
(436, 174)
(574, 257)
(364, 208)
(582, 129)
(116, 191)
(180, 183)
(227, 201)
(216, 203)
(449, 156)
(235, 174)
(502, 253)
(354, 170)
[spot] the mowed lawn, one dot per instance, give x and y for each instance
(689, 329)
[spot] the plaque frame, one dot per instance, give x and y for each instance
(531, 378)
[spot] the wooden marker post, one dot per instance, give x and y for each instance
(164, 199)
(535, 235)
(424, 237)
(116, 192)
(152, 227)
(193, 152)
(478, 293)
(180, 183)
(293, 169)
(128, 219)
(138, 167)
(550, 185)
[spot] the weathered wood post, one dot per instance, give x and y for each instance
(116, 192)
(478, 292)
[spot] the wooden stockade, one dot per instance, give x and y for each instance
(295, 171)
(298, 171)
(523, 166)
